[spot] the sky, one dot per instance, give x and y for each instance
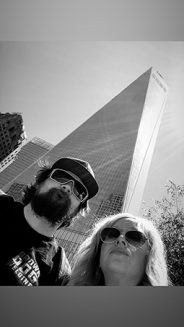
(57, 86)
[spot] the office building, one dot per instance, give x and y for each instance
(28, 155)
(12, 136)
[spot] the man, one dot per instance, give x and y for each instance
(29, 252)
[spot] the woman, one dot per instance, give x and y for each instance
(121, 250)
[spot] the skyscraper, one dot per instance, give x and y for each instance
(12, 136)
(29, 154)
(118, 141)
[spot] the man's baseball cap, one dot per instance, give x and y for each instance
(81, 169)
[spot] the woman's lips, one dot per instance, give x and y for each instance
(120, 251)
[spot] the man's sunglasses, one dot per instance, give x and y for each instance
(133, 237)
(64, 177)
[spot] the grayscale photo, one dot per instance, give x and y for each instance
(91, 163)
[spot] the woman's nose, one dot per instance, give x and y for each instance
(121, 240)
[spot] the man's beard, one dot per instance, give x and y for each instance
(53, 205)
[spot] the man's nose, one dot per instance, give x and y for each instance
(67, 187)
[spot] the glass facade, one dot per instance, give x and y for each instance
(12, 136)
(15, 191)
(28, 155)
(148, 130)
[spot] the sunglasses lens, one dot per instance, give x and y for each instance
(63, 177)
(80, 189)
(135, 238)
(109, 235)
(60, 176)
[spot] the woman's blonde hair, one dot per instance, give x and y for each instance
(86, 270)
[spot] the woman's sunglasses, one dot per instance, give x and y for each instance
(64, 177)
(133, 237)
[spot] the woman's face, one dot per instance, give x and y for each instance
(121, 258)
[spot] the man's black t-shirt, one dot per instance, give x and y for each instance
(28, 258)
